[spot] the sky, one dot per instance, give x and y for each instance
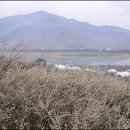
(115, 13)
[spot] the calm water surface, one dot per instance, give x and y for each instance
(93, 60)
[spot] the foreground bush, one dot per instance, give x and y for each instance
(44, 97)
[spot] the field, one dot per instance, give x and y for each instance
(35, 95)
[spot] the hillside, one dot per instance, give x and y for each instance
(50, 31)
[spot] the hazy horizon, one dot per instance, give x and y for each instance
(112, 13)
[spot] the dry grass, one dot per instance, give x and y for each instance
(37, 96)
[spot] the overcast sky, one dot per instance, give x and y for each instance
(95, 12)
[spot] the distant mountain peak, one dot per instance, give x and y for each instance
(45, 30)
(39, 13)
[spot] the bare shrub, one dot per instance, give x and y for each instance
(45, 97)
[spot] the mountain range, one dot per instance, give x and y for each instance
(43, 30)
